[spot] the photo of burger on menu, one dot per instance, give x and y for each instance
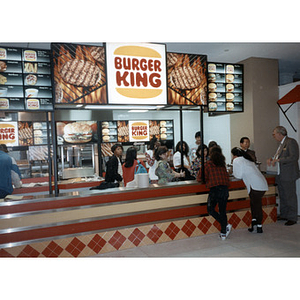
(187, 82)
(79, 74)
(80, 132)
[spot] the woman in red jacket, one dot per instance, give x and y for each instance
(129, 165)
(217, 180)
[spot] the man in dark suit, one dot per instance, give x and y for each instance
(287, 156)
(245, 144)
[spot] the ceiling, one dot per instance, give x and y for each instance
(288, 54)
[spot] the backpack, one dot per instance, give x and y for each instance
(139, 168)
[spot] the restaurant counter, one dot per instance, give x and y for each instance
(78, 224)
(40, 185)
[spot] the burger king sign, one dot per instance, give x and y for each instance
(139, 131)
(136, 73)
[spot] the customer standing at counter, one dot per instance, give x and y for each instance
(150, 158)
(244, 168)
(245, 144)
(196, 163)
(286, 156)
(114, 170)
(217, 181)
(163, 170)
(129, 165)
(9, 173)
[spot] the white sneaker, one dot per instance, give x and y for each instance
(222, 236)
(228, 229)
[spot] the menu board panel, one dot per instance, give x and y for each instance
(79, 74)
(225, 87)
(187, 81)
(79, 132)
(25, 79)
(119, 131)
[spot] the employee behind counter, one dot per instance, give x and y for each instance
(9, 173)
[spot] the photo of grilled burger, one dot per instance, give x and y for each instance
(185, 78)
(77, 133)
(98, 54)
(80, 73)
(171, 59)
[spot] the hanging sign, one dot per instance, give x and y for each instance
(136, 73)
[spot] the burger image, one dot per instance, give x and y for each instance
(212, 106)
(105, 124)
(229, 87)
(38, 133)
(212, 87)
(229, 106)
(212, 96)
(163, 130)
(105, 131)
(163, 123)
(229, 97)
(229, 78)
(163, 136)
(77, 132)
(211, 77)
(229, 69)
(212, 68)
(106, 138)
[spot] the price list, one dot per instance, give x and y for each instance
(25, 80)
(225, 87)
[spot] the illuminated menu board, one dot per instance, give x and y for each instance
(225, 87)
(25, 80)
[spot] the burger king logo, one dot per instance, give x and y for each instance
(33, 104)
(138, 131)
(8, 133)
(4, 103)
(136, 73)
(29, 55)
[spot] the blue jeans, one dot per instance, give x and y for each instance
(218, 195)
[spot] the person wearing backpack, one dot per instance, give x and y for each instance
(131, 165)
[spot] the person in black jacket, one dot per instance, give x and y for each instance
(114, 165)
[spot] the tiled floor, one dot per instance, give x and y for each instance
(277, 240)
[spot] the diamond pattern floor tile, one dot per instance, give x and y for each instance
(75, 247)
(117, 240)
(136, 237)
(52, 250)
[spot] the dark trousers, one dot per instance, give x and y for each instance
(256, 205)
(3, 194)
(288, 199)
(218, 195)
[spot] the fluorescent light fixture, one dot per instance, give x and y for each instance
(79, 105)
(119, 107)
(138, 110)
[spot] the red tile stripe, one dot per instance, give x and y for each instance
(96, 244)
